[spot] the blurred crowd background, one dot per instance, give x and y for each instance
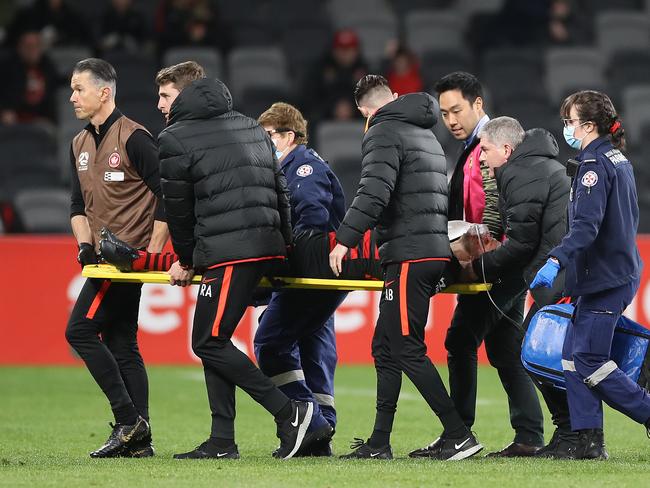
(528, 55)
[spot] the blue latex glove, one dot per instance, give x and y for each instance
(546, 275)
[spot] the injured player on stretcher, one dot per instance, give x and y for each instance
(309, 254)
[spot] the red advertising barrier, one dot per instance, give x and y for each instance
(42, 280)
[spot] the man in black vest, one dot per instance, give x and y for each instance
(115, 179)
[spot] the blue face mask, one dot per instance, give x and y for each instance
(569, 137)
(278, 154)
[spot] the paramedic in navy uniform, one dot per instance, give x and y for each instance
(603, 268)
(295, 342)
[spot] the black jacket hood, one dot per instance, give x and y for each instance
(419, 109)
(538, 143)
(201, 99)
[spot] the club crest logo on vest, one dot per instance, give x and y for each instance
(304, 170)
(590, 179)
(83, 161)
(114, 160)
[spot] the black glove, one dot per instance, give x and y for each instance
(87, 254)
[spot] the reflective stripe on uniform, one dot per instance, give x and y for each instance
(325, 400)
(288, 377)
(568, 365)
(600, 374)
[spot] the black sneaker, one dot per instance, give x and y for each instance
(561, 446)
(208, 451)
(425, 452)
(116, 252)
(139, 449)
(448, 449)
(292, 431)
(362, 450)
(121, 437)
(591, 445)
(317, 443)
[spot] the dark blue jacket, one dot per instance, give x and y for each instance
(317, 200)
(600, 251)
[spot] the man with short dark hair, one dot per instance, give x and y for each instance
(403, 194)
(115, 184)
(228, 211)
(473, 197)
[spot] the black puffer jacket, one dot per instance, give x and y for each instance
(533, 196)
(225, 196)
(403, 187)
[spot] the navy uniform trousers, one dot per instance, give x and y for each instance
(591, 376)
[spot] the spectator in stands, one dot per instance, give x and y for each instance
(28, 83)
(188, 23)
(55, 19)
(404, 71)
(334, 78)
(123, 27)
(565, 25)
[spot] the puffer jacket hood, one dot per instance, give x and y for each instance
(201, 99)
(539, 143)
(419, 109)
(225, 195)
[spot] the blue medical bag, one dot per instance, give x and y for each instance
(541, 352)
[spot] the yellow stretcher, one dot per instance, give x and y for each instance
(107, 271)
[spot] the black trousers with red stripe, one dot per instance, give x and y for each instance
(398, 343)
(224, 294)
(103, 330)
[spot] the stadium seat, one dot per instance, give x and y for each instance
(207, 57)
(436, 64)
(627, 68)
(337, 140)
(256, 100)
(619, 30)
(44, 210)
(253, 32)
(469, 8)
(64, 58)
(305, 43)
(27, 148)
(296, 13)
(136, 73)
(601, 5)
(636, 112)
(250, 67)
(402, 7)
(348, 171)
(342, 10)
(431, 30)
(573, 68)
(513, 73)
(532, 111)
(233, 12)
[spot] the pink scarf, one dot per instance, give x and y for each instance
(473, 193)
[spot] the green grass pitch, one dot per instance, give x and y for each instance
(50, 418)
